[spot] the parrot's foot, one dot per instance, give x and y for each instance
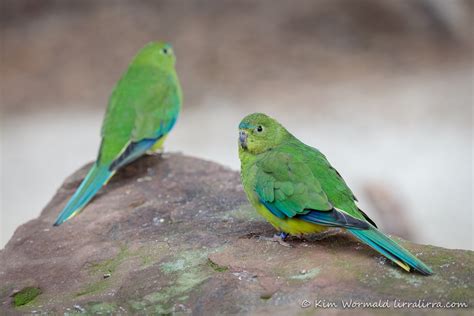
(279, 238)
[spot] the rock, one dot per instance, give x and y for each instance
(183, 239)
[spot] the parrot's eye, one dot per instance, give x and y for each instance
(165, 51)
(259, 128)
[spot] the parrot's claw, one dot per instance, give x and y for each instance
(280, 238)
(281, 235)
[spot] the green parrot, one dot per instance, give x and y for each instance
(142, 109)
(295, 188)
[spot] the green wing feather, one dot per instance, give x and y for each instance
(282, 180)
(286, 186)
(145, 104)
(337, 191)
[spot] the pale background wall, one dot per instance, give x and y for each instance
(384, 89)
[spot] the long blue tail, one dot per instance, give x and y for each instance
(393, 251)
(95, 179)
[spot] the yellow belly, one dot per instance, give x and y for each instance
(159, 144)
(291, 226)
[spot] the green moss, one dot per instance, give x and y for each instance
(151, 255)
(174, 266)
(94, 287)
(163, 302)
(26, 295)
(110, 265)
(147, 260)
(147, 255)
(185, 260)
(216, 267)
(137, 305)
(186, 272)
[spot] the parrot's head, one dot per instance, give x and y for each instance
(259, 133)
(159, 54)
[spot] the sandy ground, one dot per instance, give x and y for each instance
(422, 153)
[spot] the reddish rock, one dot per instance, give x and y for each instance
(176, 234)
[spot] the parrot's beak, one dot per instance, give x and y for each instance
(243, 139)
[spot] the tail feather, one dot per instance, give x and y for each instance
(389, 248)
(95, 179)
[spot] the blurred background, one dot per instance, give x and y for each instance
(383, 88)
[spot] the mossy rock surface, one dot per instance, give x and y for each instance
(25, 296)
(175, 234)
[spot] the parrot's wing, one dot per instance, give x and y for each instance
(158, 116)
(331, 178)
(150, 126)
(288, 189)
(156, 108)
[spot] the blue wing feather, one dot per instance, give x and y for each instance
(95, 179)
(138, 148)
